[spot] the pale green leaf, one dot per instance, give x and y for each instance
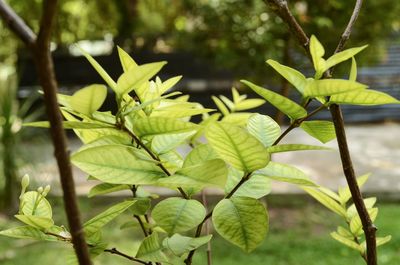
(264, 128)
(366, 97)
(88, 99)
(176, 215)
(324, 131)
(222, 108)
(150, 249)
(317, 51)
(106, 188)
(242, 221)
(344, 192)
(330, 193)
(356, 224)
(249, 104)
(35, 221)
(382, 240)
(239, 148)
(256, 187)
(200, 154)
(169, 83)
(342, 56)
(294, 147)
(297, 79)
(34, 204)
(344, 232)
(178, 112)
(238, 118)
(209, 173)
(151, 126)
(353, 70)
(327, 201)
(27, 232)
(228, 102)
(369, 203)
(137, 76)
(347, 242)
(329, 87)
(287, 106)
(100, 70)
(117, 164)
(126, 60)
(102, 219)
(167, 142)
(285, 173)
(81, 125)
(180, 245)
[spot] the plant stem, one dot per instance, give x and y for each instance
(119, 253)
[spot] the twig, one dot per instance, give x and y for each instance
(119, 253)
(40, 47)
(280, 7)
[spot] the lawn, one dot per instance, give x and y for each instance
(298, 236)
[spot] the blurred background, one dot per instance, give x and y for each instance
(213, 44)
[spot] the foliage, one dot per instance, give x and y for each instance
(139, 146)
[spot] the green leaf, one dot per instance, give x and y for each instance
(141, 206)
(344, 192)
(222, 108)
(256, 187)
(176, 215)
(151, 126)
(27, 232)
(324, 131)
(126, 60)
(297, 79)
(180, 245)
(100, 70)
(136, 76)
(355, 221)
(34, 204)
(317, 51)
(238, 118)
(105, 188)
(264, 128)
(88, 99)
(211, 173)
(285, 173)
(151, 250)
(342, 56)
(167, 84)
(287, 106)
(294, 147)
(96, 223)
(167, 142)
(178, 112)
(353, 70)
(329, 87)
(347, 242)
(117, 164)
(344, 232)
(367, 97)
(70, 125)
(236, 146)
(382, 240)
(36, 221)
(369, 203)
(249, 104)
(242, 221)
(199, 154)
(327, 201)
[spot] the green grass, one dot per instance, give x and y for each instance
(297, 236)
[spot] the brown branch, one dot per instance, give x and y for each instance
(280, 7)
(119, 253)
(40, 48)
(16, 24)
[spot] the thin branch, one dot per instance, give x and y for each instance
(17, 25)
(280, 7)
(119, 253)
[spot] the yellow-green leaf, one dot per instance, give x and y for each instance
(329, 87)
(342, 56)
(367, 97)
(264, 128)
(324, 131)
(297, 79)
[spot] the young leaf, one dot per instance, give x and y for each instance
(382, 240)
(355, 222)
(167, 84)
(117, 164)
(347, 242)
(211, 173)
(329, 87)
(151, 126)
(324, 131)
(369, 203)
(105, 188)
(176, 215)
(34, 204)
(167, 142)
(81, 125)
(367, 97)
(294, 147)
(180, 245)
(286, 173)
(256, 187)
(249, 104)
(88, 99)
(136, 76)
(327, 201)
(27, 232)
(239, 148)
(100, 70)
(200, 154)
(342, 56)
(35, 221)
(264, 128)
(287, 106)
(239, 118)
(151, 250)
(344, 192)
(353, 70)
(242, 221)
(100, 220)
(317, 51)
(297, 79)
(126, 60)
(222, 108)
